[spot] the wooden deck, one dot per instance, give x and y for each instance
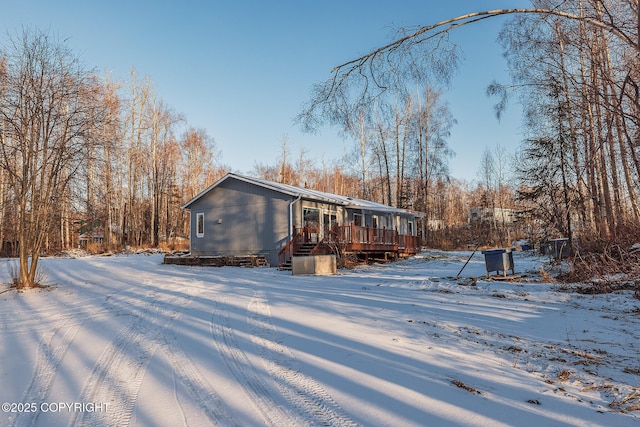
(352, 239)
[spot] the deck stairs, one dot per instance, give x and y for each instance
(304, 250)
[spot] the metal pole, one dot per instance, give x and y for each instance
(465, 264)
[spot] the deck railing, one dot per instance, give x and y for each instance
(367, 235)
(356, 239)
(409, 244)
(377, 239)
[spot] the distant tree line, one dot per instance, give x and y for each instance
(576, 68)
(82, 152)
(579, 169)
(446, 207)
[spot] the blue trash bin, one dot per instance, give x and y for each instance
(498, 260)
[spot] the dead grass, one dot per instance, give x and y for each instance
(39, 279)
(564, 375)
(173, 247)
(95, 248)
(629, 403)
(463, 386)
(545, 276)
(605, 266)
(598, 387)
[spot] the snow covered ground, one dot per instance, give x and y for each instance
(125, 340)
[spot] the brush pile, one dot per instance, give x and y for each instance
(605, 267)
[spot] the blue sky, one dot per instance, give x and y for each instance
(243, 69)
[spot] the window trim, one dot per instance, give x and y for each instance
(200, 224)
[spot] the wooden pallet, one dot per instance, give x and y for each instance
(218, 261)
(505, 278)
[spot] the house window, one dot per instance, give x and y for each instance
(410, 228)
(357, 220)
(311, 218)
(330, 220)
(200, 224)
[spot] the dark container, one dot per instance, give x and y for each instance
(499, 260)
(559, 248)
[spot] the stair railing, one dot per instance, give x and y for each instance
(286, 253)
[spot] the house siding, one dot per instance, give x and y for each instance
(241, 219)
(242, 216)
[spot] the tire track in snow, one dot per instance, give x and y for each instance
(186, 373)
(304, 393)
(49, 357)
(243, 370)
(70, 308)
(120, 369)
(38, 319)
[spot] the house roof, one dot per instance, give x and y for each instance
(305, 193)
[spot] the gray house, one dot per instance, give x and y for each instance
(241, 216)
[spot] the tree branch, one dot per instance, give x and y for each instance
(474, 17)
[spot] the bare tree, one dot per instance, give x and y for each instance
(199, 161)
(574, 80)
(164, 157)
(431, 122)
(137, 125)
(576, 64)
(47, 107)
(426, 54)
(286, 174)
(360, 131)
(110, 164)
